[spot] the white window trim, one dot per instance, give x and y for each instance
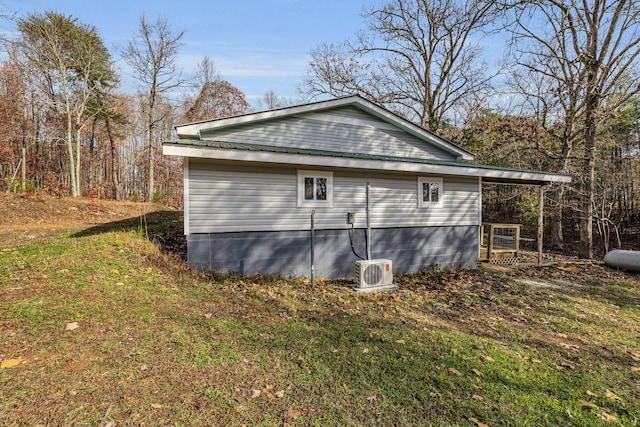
(427, 204)
(302, 203)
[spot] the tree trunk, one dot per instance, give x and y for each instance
(77, 168)
(114, 164)
(556, 235)
(151, 169)
(72, 163)
(24, 166)
(588, 196)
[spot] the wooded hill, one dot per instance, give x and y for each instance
(564, 98)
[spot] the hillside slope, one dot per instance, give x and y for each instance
(25, 218)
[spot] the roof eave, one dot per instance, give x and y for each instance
(486, 173)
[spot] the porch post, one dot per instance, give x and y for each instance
(540, 222)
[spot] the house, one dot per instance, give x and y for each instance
(252, 182)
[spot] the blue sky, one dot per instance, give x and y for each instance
(257, 45)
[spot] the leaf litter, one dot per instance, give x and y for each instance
(535, 323)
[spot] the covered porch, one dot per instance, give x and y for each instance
(499, 243)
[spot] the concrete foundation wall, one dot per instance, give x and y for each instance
(289, 252)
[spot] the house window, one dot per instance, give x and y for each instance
(429, 192)
(315, 189)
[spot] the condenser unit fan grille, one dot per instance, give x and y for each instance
(373, 274)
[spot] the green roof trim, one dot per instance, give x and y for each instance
(313, 152)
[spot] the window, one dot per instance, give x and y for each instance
(429, 192)
(315, 189)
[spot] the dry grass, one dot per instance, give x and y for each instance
(158, 344)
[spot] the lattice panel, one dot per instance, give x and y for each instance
(504, 261)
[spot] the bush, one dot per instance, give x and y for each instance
(15, 185)
(157, 197)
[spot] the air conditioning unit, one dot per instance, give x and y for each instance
(375, 274)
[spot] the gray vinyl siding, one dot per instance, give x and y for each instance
(344, 130)
(233, 198)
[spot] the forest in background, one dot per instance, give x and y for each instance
(563, 98)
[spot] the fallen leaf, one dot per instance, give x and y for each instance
(255, 393)
(477, 397)
(570, 346)
(10, 363)
(455, 372)
(607, 416)
(366, 350)
(478, 423)
(611, 395)
(400, 341)
(454, 350)
(208, 315)
(570, 269)
(560, 335)
(156, 406)
(293, 414)
(592, 394)
(143, 367)
(280, 394)
(635, 357)
(586, 405)
(489, 359)
(635, 369)
(478, 373)
(371, 399)
(111, 424)
(71, 326)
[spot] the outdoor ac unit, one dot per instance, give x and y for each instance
(375, 273)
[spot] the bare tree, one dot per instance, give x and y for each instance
(206, 72)
(215, 97)
(152, 54)
(418, 57)
(586, 48)
(271, 101)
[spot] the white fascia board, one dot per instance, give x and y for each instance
(194, 130)
(350, 163)
(185, 190)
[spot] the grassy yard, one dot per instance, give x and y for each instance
(106, 329)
